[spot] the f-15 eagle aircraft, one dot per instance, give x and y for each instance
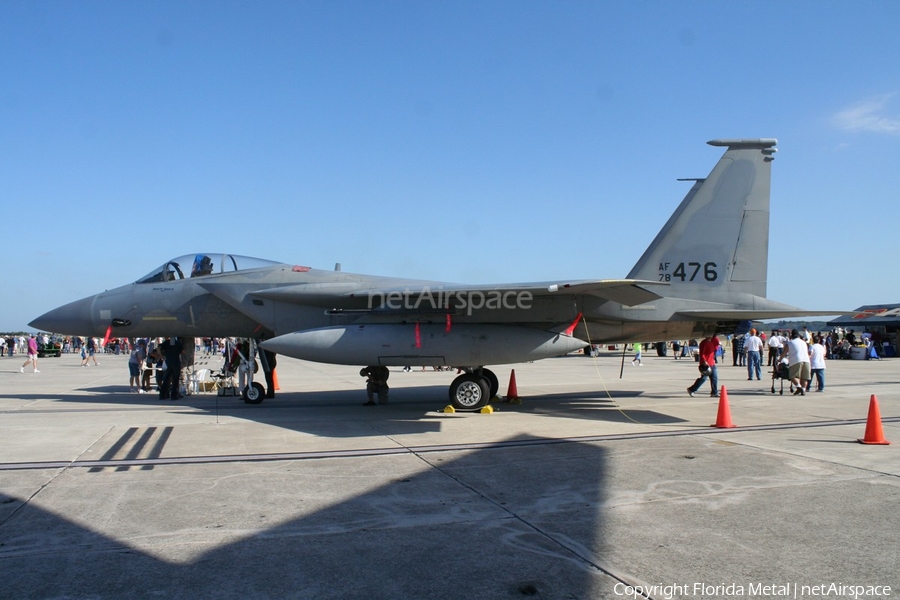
(703, 274)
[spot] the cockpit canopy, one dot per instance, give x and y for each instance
(199, 265)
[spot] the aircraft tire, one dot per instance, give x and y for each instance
(469, 392)
(254, 393)
(493, 383)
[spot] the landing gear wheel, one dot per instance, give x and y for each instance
(469, 392)
(493, 383)
(254, 393)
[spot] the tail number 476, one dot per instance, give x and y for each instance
(687, 271)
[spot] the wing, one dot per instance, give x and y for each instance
(360, 295)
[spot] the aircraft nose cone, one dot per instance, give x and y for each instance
(73, 318)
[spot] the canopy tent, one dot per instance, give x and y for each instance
(870, 316)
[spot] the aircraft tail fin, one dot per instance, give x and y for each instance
(716, 243)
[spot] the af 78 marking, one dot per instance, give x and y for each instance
(689, 272)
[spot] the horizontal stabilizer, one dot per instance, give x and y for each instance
(753, 315)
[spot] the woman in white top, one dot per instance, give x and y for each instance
(817, 363)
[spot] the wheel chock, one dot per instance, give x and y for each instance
(487, 410)
(449, 409)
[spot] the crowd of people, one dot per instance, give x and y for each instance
(836, 343)
(17, 344)
(161, 357)
(797, 355)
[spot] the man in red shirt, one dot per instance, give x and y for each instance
(708, 349)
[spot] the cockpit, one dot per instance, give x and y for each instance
(200, 265)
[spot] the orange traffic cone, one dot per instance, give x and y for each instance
(723, 419)
(512, 393)
(275, 380)
(874, 432)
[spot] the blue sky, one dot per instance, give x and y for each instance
(459, 141)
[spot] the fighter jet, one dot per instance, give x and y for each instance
(703, 274)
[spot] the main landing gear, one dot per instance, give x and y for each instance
(473, 389)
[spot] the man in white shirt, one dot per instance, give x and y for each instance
(753, 345)
(797, 352)
(775, 345)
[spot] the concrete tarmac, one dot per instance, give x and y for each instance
(593, 486)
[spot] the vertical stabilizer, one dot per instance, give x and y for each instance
(717, 241)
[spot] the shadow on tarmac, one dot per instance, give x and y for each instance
(496, 523)
(408, 412)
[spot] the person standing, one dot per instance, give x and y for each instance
(637, 355)
(754, 345)
(171, 350)
(135, 361)
(797, 353)
(708, 349)
(737, 351)
(817, 354)
(775, 346)
(32, 354)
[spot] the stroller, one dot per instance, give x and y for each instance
(780, 372)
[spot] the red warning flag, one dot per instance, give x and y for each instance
(571, 328)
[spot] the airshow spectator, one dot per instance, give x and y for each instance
(708, 349)
(754, 345)
(32, 355)
(637, 355)
(817, 354)
(135, 361)
(737, 351)
(87, 356)
(776, 343)
(797, 352)
(171, 350)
